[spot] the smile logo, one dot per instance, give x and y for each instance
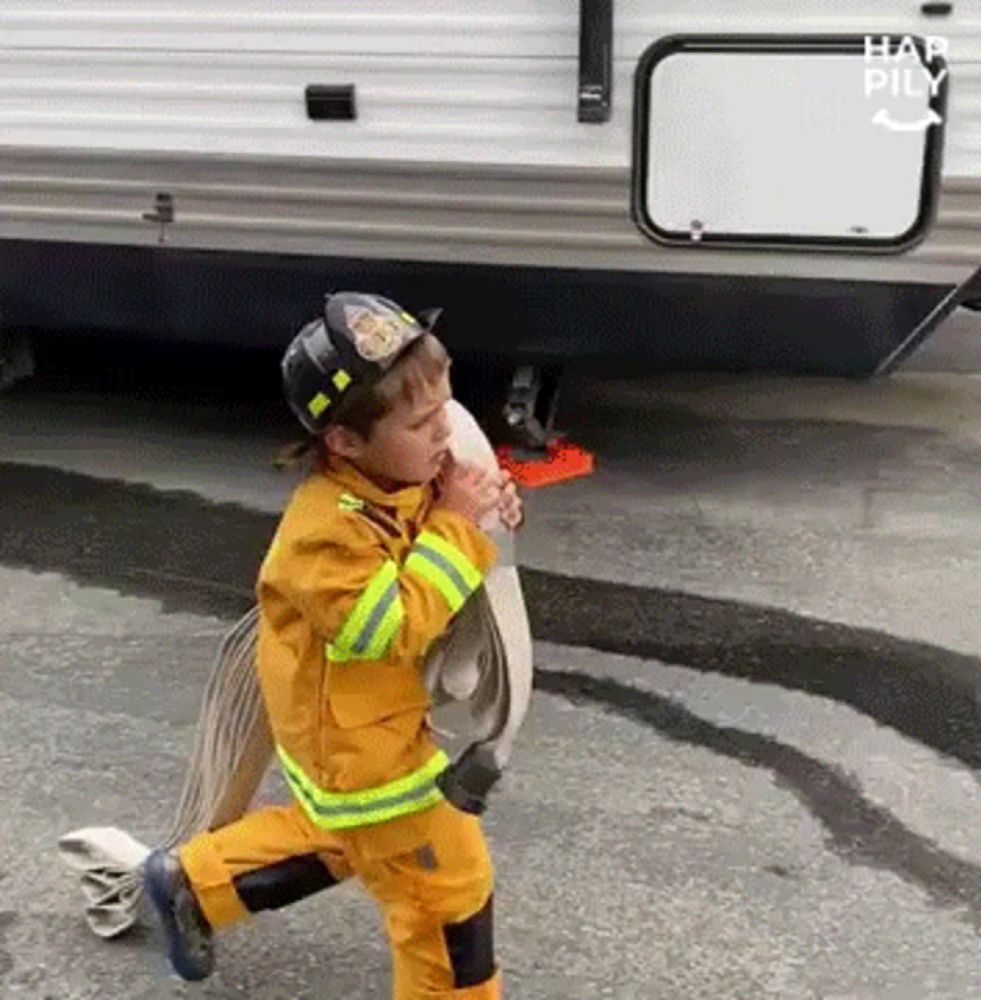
(882, 117)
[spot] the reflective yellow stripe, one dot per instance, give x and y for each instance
(420, 565)
(390, 623)
(445, 567)
(347, 501)
(339, 810)
(373, 621)
(472, 576)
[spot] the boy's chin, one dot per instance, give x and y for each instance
(427, 478)
(416, 477)
(430, 471)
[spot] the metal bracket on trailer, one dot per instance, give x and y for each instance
(595, 60)
(967, 293)
(162, 214)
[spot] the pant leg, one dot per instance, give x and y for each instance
(438, 906)
(267, 859)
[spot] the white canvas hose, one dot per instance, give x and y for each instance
(485, 660)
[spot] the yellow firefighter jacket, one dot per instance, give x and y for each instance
(355, 587)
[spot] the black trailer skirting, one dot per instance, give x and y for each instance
(653, 320)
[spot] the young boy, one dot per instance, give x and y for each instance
(376, 552)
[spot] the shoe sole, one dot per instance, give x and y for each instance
(155, 879)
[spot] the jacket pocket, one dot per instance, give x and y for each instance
(364, 692)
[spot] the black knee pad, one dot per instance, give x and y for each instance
(283, 883)
(470, 944)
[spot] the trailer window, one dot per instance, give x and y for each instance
(809, 143)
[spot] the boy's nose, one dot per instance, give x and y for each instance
(443, 429)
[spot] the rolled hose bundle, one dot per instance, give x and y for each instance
(484, 659)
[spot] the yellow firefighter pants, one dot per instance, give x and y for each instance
(437, 899)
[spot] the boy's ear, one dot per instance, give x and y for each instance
(341, 440)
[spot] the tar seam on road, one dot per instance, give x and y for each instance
(197, 556)
(859, 831)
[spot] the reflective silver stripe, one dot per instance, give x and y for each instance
(411, 793)
(355, 632)
(364, 813)
(442, 563)
(374, 619)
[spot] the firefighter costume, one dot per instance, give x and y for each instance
(356, 587)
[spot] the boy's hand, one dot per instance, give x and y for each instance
(510, 509)
(467, 489)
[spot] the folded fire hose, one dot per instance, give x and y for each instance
(483, 663)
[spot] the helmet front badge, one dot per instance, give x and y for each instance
(376, 338)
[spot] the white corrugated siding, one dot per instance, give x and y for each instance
(465, 81)
(447, 89)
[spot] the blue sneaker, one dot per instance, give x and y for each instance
(190, 947)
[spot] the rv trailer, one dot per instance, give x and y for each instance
(682, 185)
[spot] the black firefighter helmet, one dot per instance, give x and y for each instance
(356, 341)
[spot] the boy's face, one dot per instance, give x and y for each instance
(408, 444)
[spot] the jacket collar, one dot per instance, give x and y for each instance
(407, 501)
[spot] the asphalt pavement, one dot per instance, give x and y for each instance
(752, 766)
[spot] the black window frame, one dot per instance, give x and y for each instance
(789, 44)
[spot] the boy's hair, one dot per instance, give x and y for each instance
(423, 362)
